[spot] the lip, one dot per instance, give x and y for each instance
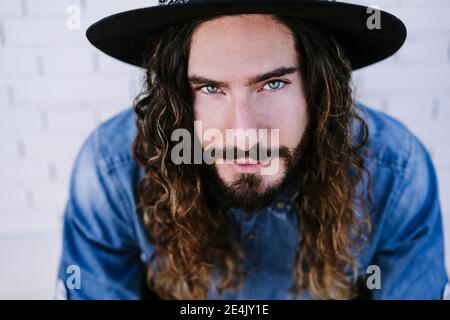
(246, 167)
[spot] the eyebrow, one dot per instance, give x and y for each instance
(278, 72)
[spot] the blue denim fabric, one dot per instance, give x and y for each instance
(104, 237)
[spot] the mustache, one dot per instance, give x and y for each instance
(257, 152)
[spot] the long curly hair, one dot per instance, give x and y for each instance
(190, 232)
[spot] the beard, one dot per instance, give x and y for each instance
(247, 191)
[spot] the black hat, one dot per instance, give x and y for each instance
(125, 35)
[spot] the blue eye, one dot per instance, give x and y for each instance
(209, 89)
(274, 85)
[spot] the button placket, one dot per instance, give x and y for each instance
(250, 239)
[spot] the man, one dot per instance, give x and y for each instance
(332, 201)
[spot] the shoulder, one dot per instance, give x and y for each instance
(396, 157)
(112, 140)
(404, 182)
(102, 234)
(390, 143)
(104, 174)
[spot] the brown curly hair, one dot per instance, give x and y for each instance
(190, 232)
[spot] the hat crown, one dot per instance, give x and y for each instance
(127, 35)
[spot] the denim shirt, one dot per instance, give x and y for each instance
(105, 241)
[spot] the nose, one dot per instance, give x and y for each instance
(243, 122)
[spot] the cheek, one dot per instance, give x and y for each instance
(294, 121)
(209, 123)
(202, 112)
(288, 114)
(209, 110)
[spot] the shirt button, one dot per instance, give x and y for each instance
(280, 204)
(251, 236)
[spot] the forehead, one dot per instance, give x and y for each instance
(234, 47)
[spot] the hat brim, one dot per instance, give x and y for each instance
(126, 35)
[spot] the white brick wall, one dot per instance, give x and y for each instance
(413, 85)
(55, 88)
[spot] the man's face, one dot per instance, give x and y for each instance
(229, 64)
